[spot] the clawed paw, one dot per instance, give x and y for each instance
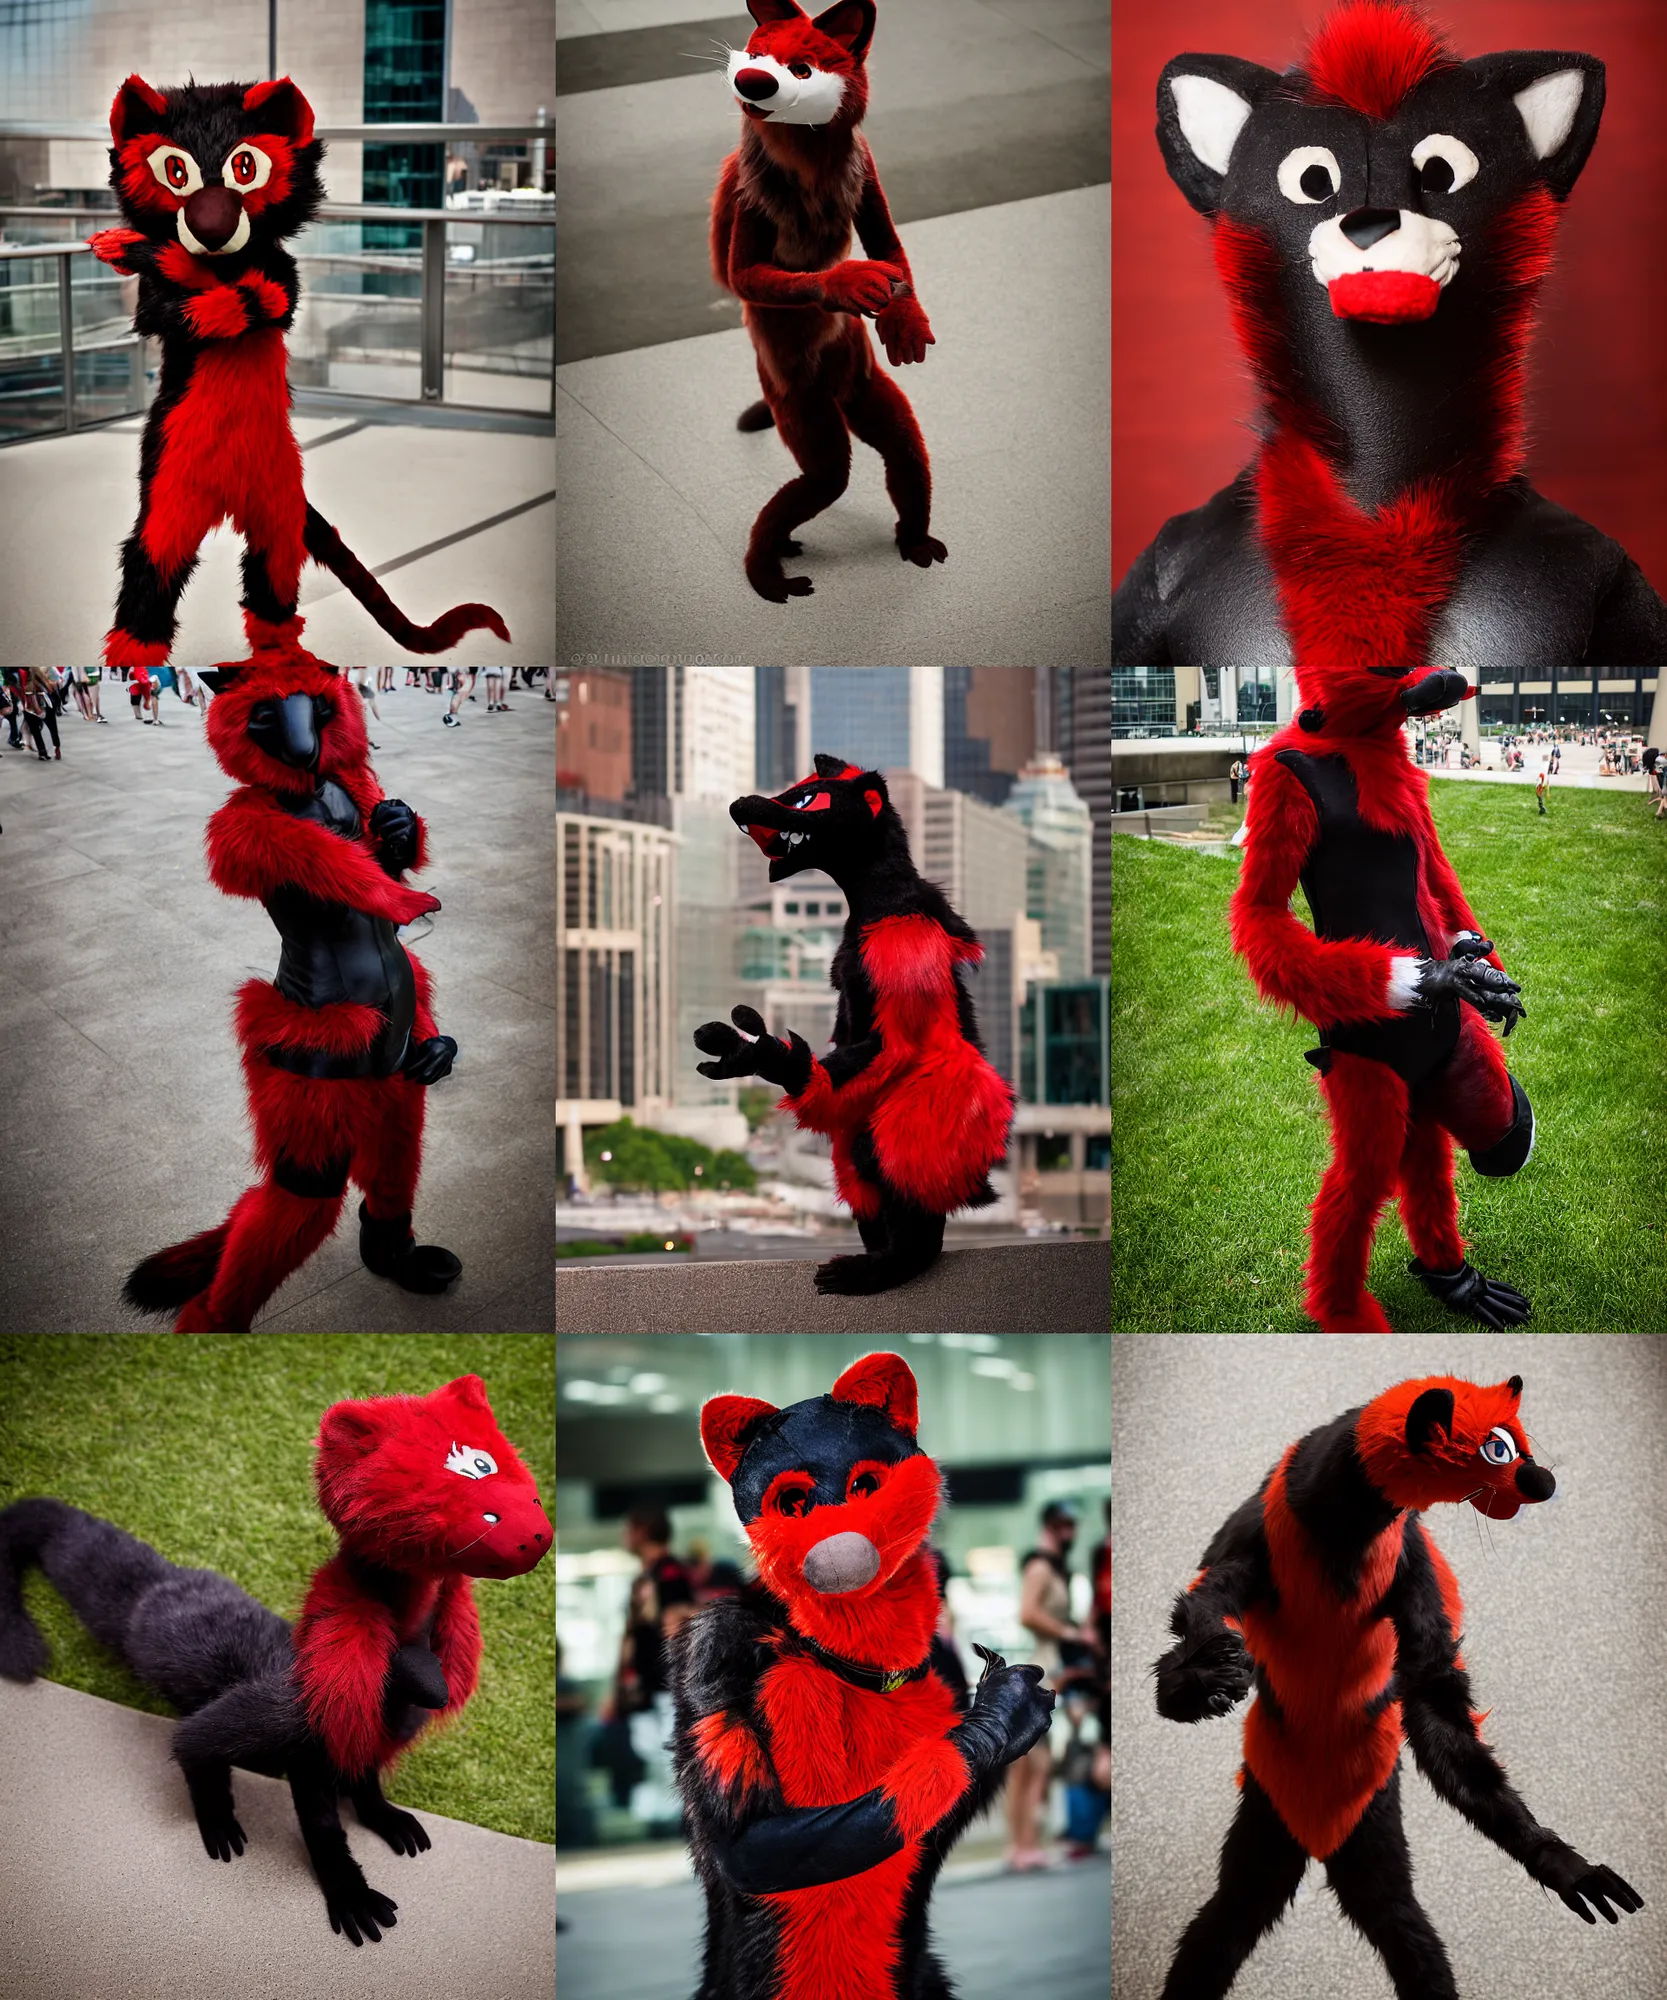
(222, 1835)
(772, 584)
(924, 553)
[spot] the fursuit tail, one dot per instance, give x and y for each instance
(163, 1283)
(325, 546)
(100, 1570)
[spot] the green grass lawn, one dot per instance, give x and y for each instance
(203, 1448)
(1219, 1135)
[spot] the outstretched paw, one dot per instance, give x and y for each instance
(403, 1831)
(222, 1835)
(773, 583)
(924, 552)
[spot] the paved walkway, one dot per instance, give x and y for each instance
(110, 1896)
(420, 505)
(121, 1112)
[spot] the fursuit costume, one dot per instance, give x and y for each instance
(786, 203)
(1397, 977)
(916, 1114)
(1383, 220)
(1324, 1591)
(824, 1768)
(424, 1493)
(211, 179)
(340, 1048)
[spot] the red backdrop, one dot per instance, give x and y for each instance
(1598, 385)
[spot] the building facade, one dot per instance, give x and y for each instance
(1060, 874)
(883, 718)
(593, 733)
(692, 732)
(1083, 739)
(989, 728)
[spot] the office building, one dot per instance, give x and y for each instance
(989, 728)
(784, 752)
(1059, 891)
(1082, 737)
(882, 718)
(593, 734)
(692, 732)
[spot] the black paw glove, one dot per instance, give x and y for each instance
(1211, 1680)
(426, 1062)
(1010, 1714)
(1579, 1882)
(1433, 692)
(393, 826)
(222, 1835)
(403, 1831)
(1466, 1290)
(786, 1064)
(415, 1675)
(356, 1909)
(1467, 976)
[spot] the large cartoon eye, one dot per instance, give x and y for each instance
(862, 1484)
(1499, 1447)
(176, 170)
(793, 1501)
(799, 69)
(246, 167)
(1310, 174)
(471, 1462)
(1444, 164)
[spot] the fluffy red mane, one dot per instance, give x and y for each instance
(1368, 54)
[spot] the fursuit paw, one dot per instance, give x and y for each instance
(859, 285)
(847, 1277)
(922, 551)
(904, 330)
(1579, 1881)
(357, 1911)
(222, 1835)
(1465, 1290)
(1197, 1686)
(403, 1831)
(771, 581)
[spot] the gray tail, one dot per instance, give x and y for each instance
(100, 1570)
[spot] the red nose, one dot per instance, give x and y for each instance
(211, 215)
(756, 84)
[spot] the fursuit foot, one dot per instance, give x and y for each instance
(921, 550)
(1467, 1291)
(771, 581)
(1365, 1315)
(857, 1277)
(388, 1248)
(403, 1831)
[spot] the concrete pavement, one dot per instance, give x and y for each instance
(1562, 1636)
(109, 1894)
(412, 500)
(121, 1114)
(1044, 1287)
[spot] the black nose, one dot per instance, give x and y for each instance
(1534, 1482)
(1366, 226)
(756, 84)
(288, 731)
(211, 215)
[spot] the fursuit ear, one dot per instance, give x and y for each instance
(875, 795)
(1432, 1412)
(281, 109)
(766, 11)
(1203, 102)
(1513, 1388)
(832, 767)
(885, 1383)
(850, 22)
(349, 1430)
(218, 679)
(724, 1424)
(1559, 99)
(470, 1391)
(137, 109)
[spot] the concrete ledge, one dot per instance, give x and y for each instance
(1008, 1288)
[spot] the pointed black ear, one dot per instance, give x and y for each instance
(1203, 102)
(1559, 99)
(766, 11)
(218, 679)
(830, 767)
(1432, 1412)
(850, 22)
(1515, 1386)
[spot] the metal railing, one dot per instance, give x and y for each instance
(431, 298)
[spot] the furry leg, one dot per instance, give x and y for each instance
(269, 1234)
(1429, 1206)
(879, 413)
(387, 1162)
(1259, 1872)
(914, 1241)
(403, 1831)
(814, 431)
(1368, 1106)
(1471, 1093)
(1371, 1877)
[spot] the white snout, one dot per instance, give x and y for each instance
(1422, 246)
(841, 1563)
(797, 100)
(236, 240)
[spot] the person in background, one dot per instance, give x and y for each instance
(93, 678)
(661, 1599)
(1539, 793)
(1045, 1613)
(143, 692)
(462, 687)
(495, 703)
(40, 712)
(945, 1654)
(1235, 771)
(385, 680)
(575, 1817)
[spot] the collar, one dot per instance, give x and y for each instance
(877, 1680)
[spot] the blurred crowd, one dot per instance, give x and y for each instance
(629, 1736)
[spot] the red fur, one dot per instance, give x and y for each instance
(265, 1018)
(1386, 297)
(724, 1424)
(923, 1784)
(1368, 1106)
(1449, 1468)
(881, 1382)
(384, 1484)
(220, 314)
(733, 1754)
(1369, 54)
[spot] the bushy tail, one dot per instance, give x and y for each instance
(101, 1570)
(163, 1283)
(325, 546)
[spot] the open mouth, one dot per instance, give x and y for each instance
(777, 846)
(759, 111)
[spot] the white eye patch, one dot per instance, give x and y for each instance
(1211, 116)
(174, 167)
(796, 100)
(1445, 164)
(1310, 174)
(470, 1462)
(1499, 1447)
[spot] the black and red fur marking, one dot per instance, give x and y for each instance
(1324, 1592)
(1386, 519)
(823, 1763)
(786, 205)
(212, 179)
(916, 1114)
(338, 1049)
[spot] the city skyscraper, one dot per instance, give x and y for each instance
(1082, 737)
(1059, 885)
(782, 726)
(883, 718)
(593, 734)
(692, 732)
(989, 728)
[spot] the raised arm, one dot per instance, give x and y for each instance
(1207, 1671)
(1443, 1730)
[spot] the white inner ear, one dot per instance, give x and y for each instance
(1212, 117)
(1548, 109)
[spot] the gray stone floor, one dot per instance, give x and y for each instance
(1562, 1637)
(390, 490)
(121, 1099)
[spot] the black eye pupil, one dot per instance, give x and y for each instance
(1316, 182)
(1436, 176)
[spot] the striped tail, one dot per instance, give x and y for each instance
(325, 546)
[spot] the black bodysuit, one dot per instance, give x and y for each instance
(333, 953)
(1361, 883)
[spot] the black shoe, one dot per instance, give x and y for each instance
(389, 1249)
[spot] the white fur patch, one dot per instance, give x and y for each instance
(1212, 117)
(1423, 246)
(1548, 109)
(1533, 1134)
(236, 240)
(1403, 980)
(797, 100)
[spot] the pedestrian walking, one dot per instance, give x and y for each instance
(462, 686)
(40, 712)
(1235, 771)
(495, 691)
(1539, 793)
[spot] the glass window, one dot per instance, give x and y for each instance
(813, 909)
(792, 909)
(1143, 701)
(1574, 707)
